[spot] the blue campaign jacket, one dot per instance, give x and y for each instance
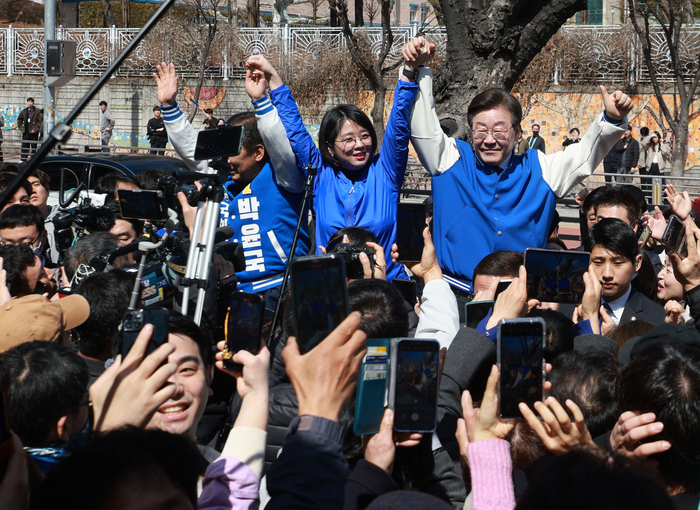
(478, 212)
(369, 202)
(264, 216)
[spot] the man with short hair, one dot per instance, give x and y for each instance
(113, 181)
(24, 224)
(210, 122)
(47, 399)
(22, 194)
(29, 123)
(630, 158)
(618, 202)
(109, 294)
(194, 358)
(535, 141)
(127, 230)
(25, 273)
(157, 134)
(486, 198)
(615, 259)
(106, 125)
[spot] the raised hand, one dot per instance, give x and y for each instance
(631, 429)
(166, 79)
(512, 302)
(417, 52)
(379, 269)
(673, 310)
(428, 267)
(657, 224)
(259, 62)
(617, 105)
(380, 448)
(590, 303)
(680, 204)
(255, 83)
(555, 430)
(687, 270)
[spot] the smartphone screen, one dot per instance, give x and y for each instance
(410, 223)
(475, 312)
(502, 285)
(218, 143)
(416, 385)
(319, 298)
(556, 276)
(142, 204)
(135, 320)
(407, 289)
(674, 236)
(243, 326)
(521, 361)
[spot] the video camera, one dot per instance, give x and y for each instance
(72, 224)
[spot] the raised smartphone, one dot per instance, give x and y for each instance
(407, 289)
(372, 387)
(319, 298)
(674, 237)
(135, 320)
(520, 353)
(410, 223)
(143, 204)
(415, 366)
(243, 327)
(218, 143)
(556, 276)
(475, 312)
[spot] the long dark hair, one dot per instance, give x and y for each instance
(333, 121)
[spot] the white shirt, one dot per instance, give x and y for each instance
(618, 306)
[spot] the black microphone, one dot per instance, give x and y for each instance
(223, 234)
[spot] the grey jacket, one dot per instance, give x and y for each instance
(107, 120)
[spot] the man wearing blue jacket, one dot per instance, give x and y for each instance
(486, 198)
(263, 194)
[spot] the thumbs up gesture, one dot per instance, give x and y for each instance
(617, 105)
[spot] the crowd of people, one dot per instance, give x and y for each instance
(93, 424)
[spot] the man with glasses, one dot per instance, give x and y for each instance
(24, 224)
(485, 197)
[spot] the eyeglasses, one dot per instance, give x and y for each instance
(498, 134)
(350, 142)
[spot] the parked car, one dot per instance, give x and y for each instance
(90, 168)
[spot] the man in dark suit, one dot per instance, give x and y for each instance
(615, 259)
(536, 141)
(29, 123)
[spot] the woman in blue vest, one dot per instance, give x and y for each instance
(354, 186)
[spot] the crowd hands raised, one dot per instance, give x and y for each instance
(93, 427)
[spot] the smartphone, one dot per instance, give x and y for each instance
(415, 366)
(556, 276)
(319, 298)
(407, 289)
(410, 223)
(520, 346)
(243, 327)
(674, 237)
(475, 312)
(142, 204)
(7, 447)
(135, 320)
(502, 285)
(218, 143)
(372, 387)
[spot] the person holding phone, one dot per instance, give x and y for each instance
(486, 198)
(354, 186)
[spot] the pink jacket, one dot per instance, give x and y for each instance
(492, 475)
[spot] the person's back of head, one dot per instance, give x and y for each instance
(121, 469)
(358, 237)
(620, 197)
(149, 178)
(503, 263)
(560, 332)
(383, 308)
(588, 378)
(17, 259)
(47, 381)
(18, 216)
(88, 247)
(628, 330)
(525, 445)
(108, 294)
(664, 379)
(584, 479)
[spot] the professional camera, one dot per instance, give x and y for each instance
(351, 255)
(71, 224)
(170, 187)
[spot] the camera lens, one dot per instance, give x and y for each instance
(137, 324)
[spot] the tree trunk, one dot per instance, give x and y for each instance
(490, 46)
(377, 112)
(680, 142)
(252, 7)
(110, 20)
(359, 13)
(126, 13)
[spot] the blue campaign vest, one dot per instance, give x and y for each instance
(264, 216)
(478, 212)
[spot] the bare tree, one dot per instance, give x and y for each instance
(489, 44)
(371, 10)
(370, 65)
(126, 13)
(110, 20)
(667, 18)
(253, 7)
(315, 4)
(359, 13)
